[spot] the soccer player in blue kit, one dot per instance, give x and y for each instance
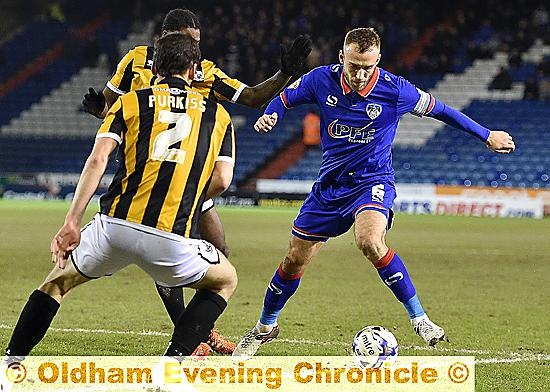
(360, 106)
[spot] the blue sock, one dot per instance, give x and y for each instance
(414, 308)
(279, 291)
(394, 274)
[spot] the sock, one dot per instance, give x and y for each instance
(172, 298)
(196, 322)
(279, 291)
(394, 274)
(33, 323)
(414, 308)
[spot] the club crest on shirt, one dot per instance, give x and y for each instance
(373, 110)
(199, 76)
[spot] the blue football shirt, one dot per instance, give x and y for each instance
(357, 128)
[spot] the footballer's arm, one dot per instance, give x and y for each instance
(221, 178)
(68, 237)
(110, 99)
(260, 94)
(98, 104)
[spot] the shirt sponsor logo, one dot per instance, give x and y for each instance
(176, 91)
(353, 134)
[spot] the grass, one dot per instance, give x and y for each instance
(486, 281)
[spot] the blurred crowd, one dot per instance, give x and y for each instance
(244, 37)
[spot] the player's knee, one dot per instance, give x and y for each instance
(373, 249)
(55, 288)
(229, 284)
(59, 283)
(295, 260)
(225, 250)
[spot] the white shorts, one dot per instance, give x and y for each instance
(109, 244)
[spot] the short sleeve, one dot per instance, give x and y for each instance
(301, 91)
(113, 125)
(412, 99)
(227, 151)
(121, 80)
(224, 87)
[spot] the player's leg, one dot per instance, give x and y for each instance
(282, 286)
(211, 229)
(286, 279)
(370, 232)
(92, 258)
(208, 303)
(41, 308)
(312, 227)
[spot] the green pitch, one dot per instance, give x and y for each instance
(486, 281)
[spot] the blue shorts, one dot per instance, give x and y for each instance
(330, 210)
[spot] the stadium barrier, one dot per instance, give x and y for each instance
(411, 198)
(439, 200)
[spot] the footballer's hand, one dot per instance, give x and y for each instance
(266, 123)
(63, 243)
(500, 142)
(94, 102)
(292, 58)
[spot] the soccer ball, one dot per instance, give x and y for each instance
(373, 346)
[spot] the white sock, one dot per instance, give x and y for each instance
(265, 327)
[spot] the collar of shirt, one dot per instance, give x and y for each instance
(174, 81)
(346, 89)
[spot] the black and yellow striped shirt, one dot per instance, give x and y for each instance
(170, 138)
(134, 72)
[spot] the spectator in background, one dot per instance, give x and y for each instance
(90, 52)
(502, 80)
(311, 125)
(531, 89)
(544, 88)
(514, 59)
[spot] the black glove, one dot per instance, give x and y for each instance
(94, 102)
(293, 57)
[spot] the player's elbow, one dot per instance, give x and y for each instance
(225, 180)
(222, 176)
(96, 161)
(251, 97)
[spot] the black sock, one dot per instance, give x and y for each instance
(195, 323)
(33, 323)
(172, 298)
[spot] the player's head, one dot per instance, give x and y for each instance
(176, 54)
(360, 55)
(184, 21)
